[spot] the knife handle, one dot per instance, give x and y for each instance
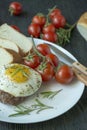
(80, 72)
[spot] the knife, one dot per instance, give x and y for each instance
(79, 69)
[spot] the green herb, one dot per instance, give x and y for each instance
(50, 94)
(40, 106)
(25, 74)
(64, 34)
(22, 110)
(15, 72)
(18, 70)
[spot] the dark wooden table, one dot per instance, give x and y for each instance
(75, 118)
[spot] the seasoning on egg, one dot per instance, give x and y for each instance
(18, 73)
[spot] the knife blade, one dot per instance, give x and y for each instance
(64, 53)
(79, 69)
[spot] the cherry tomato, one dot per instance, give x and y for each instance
(46, 70)
(39, 19)
(53, 59)
(44, 49)
(55, 12)
(50, 36)
(34, 30)
(59, 21)
(15, 27)
(49, 28)
(15, 8)
(64, 75)
(32, 61)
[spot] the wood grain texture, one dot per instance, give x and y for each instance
(76, 118)
(80, 72)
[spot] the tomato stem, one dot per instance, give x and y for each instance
(47, 16)
(11, 10)
(42, 65)
(50, 10)
(36, 51)
(40, 14)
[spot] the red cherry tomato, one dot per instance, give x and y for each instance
(39, 19)
(32, 61)
(49, 28)
(50, 36)
(44, 49)
(55, 12)
(64, 75)
(59, 21)
(34, 30)
(46, 70)
(53, 59)
(15, 8)
(15, 27)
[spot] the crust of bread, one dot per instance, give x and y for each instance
(8, 45)
(5, 57)
(9, 56)
(24, 43)
(82, 25)
(83, 20)
(17, 58)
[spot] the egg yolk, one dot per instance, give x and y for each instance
(18, 73)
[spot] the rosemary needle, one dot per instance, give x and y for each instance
(22, 110)
(15, 72)
(50, 94)
(18, 70)
(64, 34)
(40, 106)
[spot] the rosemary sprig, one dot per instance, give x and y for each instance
(50, 94)
(22, 110)
(64, 34)
(40, 106)
(18, 70)
(25, 74)
(15, 72)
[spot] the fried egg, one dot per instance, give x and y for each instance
(19, 80)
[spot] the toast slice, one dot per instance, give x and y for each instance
(8, 56)
(82, 25)
(5, 57)
(4, 43)
(21, 40)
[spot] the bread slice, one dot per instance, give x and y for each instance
(8, 56)
(9, 45)
(5, 57)
(22, 41)
(82, 25)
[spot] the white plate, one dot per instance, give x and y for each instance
(61, 103)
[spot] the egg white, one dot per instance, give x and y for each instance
(26, 88)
